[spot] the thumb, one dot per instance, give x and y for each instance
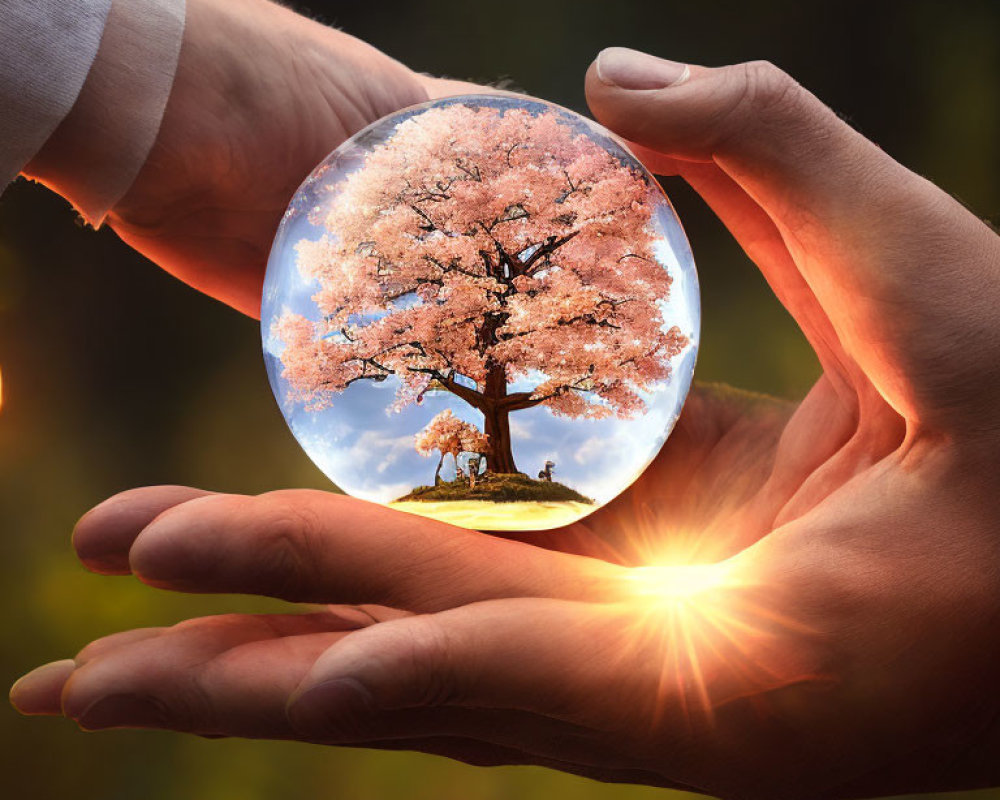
(752, 119)
(876, 245)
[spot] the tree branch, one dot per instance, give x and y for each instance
(522, 400)
(587, 319)
(423, 216)
(470, 396)
(544, 251)
(474, 173)
(452, 266)
(512, 148)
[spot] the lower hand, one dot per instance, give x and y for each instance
(823, 622)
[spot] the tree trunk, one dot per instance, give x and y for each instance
(500, 457)
(437, 472)
(496, 418)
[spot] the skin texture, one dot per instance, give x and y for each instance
(841, 642)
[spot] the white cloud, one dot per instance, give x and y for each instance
(360, 466)
(520, 429)
(596, 447)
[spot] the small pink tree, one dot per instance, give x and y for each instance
(476, 247)
(449, 435)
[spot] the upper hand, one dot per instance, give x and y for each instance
(261, 95)
(842, 641)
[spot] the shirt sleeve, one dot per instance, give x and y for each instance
(46, 50)
(117, 104)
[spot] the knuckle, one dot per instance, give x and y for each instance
(761, 95)
(427, 652)
(167, 700)
(197, 712)
(290, 545)
(766, 86)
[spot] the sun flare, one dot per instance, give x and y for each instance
(718, 630)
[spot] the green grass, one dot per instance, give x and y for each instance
(512, 488)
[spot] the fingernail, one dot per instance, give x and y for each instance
(631, 69)
(38, 691)
(121, 711)
(334, 710)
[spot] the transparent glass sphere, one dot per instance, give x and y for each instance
(481, 309)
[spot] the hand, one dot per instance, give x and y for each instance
(831, 628)
(261, 96)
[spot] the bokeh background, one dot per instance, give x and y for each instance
(114, 375)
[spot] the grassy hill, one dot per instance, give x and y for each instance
(513, 488)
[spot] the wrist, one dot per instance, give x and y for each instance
(93, 156)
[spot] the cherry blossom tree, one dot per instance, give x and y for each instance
(479, 247)
(449, 435)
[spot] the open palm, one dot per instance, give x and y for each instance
(792, 601)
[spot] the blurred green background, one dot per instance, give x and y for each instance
(115, 375)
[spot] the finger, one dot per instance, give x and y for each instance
(237, 676)
(104, 534)
(39, 691)
(341, 618)
(233, 676)
(106, 644)
(317, 547)
(615, 683)
(475, 656)
(877, 245)
(226, 675)
(533, 674)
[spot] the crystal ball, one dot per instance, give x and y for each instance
(481, 309)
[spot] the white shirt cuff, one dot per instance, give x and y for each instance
(46, 50)
(125, 97)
